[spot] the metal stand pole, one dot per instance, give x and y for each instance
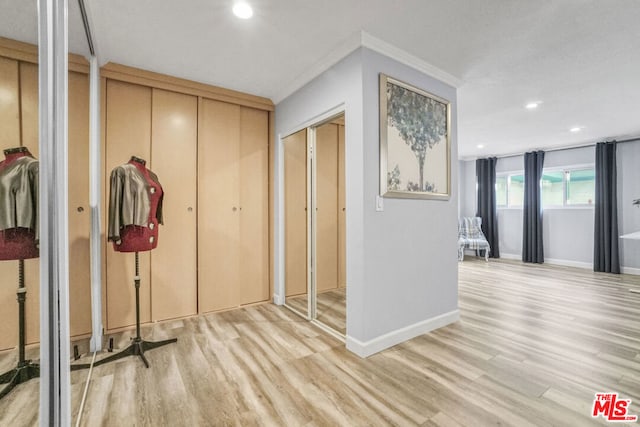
(138, 346)
(26, 369)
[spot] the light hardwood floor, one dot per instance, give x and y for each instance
(331, 308)
(533, 345)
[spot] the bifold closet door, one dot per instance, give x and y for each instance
(218, 205)
(295, 206)
(233, 230)
(326, 186)
(342, 212)
(173, 158)
(79, 209)
(128, 133)
(254, 205)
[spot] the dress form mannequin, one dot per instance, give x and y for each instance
(135, 207)
(135, 210)
(19, 241)
(18, 195)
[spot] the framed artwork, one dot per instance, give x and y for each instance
(415, 142)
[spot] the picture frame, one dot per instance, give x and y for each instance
(415, 142)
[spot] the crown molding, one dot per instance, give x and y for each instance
(364, 39)
(404, 57)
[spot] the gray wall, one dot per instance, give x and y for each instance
(411, 270)
(401, 263)
(568, 233)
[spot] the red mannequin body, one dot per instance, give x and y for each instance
(136, 238)
(17, 243)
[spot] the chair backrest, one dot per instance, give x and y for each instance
(470, 227)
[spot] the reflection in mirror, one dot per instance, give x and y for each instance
(78, 204)
(19, 263)
(330, 211)
(295, 190)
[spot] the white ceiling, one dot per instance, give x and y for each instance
(581, 58)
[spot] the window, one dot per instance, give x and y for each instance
(552, 188)
(567, 187)
(509, 190)
(516, 190)
(501, 191)
(581, 187)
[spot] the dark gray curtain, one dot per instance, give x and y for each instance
(532, 244)
(486, 180)
(605, 256)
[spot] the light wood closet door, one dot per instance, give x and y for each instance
(128, 133)
(254, 205)
(29, 129)
(342, 212)
(9, 138)
(218, 205)
(173, 158)
(295, 206)
(326, 152)
(79, 209)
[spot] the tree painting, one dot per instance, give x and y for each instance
(421, 122)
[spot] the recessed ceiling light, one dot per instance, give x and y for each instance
(480, 145)
(242, 10)
(575, 129)
(532, 105)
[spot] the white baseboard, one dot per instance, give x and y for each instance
(576, 264)
(630, 270)
(366, 349)
(568, 263)
(278, 300)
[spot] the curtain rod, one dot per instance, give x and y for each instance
(571, 147)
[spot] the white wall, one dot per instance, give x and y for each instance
(568, 233)
(401, 263)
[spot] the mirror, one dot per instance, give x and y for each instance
(296, 164)
(19, 112)
(78, 204)
(330, 226)
(19, 263)
(315, 238)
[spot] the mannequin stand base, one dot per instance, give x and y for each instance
(21, 374)
(137, 348)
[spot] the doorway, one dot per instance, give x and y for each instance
(315, 224)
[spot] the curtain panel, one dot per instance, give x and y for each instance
(486, 202)
(605, 255)
(532, 242)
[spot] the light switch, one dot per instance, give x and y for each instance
(379, 203)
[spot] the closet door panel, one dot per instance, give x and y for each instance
(218, 205)
(128, 133)
(326, 151)
(29, 106)
(9, 138)
(9, 104)
(295, 206)
(254, 203)
(79, 209)
(173, 159)
(342, 212)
